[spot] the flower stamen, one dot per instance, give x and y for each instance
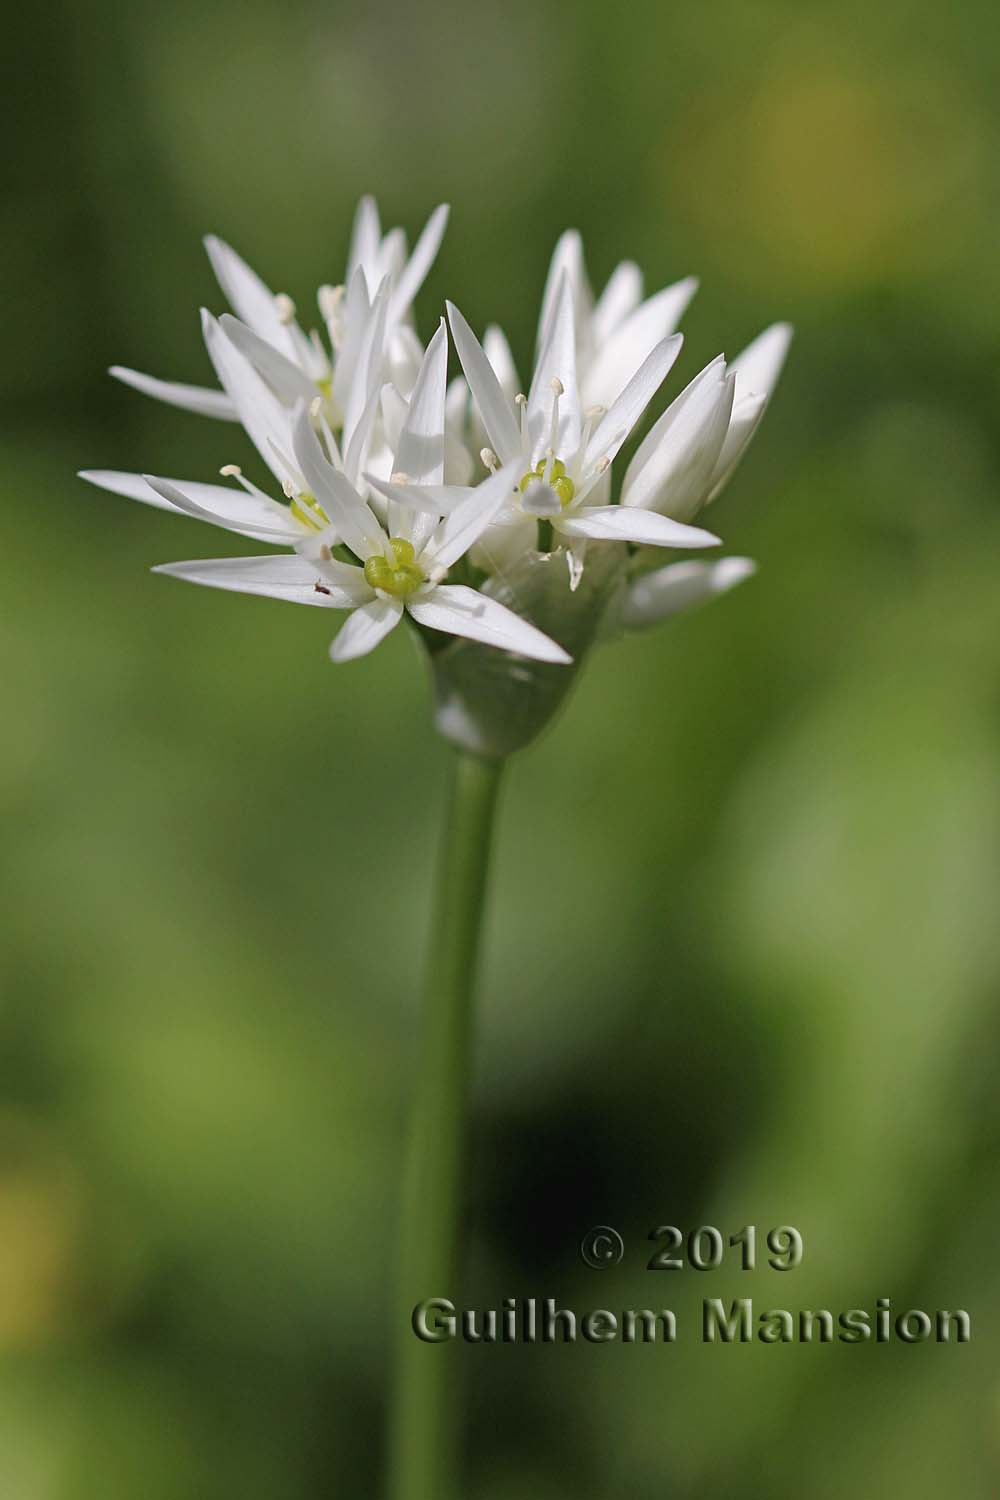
(558, 389)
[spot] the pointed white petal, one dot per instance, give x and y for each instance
(367, 374)
(354, 520)
(233, 510)
(458, 462)
(616, 523)
(498, 352)
(392, 255)
(556, 362)
(361, 438)
(132, 485)
(743, 423)
(681, 586)
(404, 354)
(618, 421)
(621, 296)
(420, 453)
(197, 398)
(758, 367)
(366, 240)
(247, 295)
(284, 377)
(275, 577)
(625, 349)
(567, 260)
(756, 370)
(356, 313)
(260, 411)
(222, 505)
(469, 520)
(394, 413)
(673, 465)
(494, 408)
(414, 273)
(463, 611)
(365, 628)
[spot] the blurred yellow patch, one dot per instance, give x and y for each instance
(835, 172)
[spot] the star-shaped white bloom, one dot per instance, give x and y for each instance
(380, 573)
(296, 365)
(614, 334)
(392, 575)
(565, 453)
(370, 448)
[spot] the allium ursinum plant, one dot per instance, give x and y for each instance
(484, 514)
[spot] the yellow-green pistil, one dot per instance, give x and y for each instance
(556, 477)
(401, 580)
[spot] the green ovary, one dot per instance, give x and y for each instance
(401, 580)
(307, 509)
(556, 477)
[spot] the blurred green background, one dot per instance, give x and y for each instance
(742, 959)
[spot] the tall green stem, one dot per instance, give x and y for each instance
(423, 1437)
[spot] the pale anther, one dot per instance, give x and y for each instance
(398, 477)
(284, 307)
(490, 459)
(556, 384)
(316, 406)
(520, 399)
(230, 471)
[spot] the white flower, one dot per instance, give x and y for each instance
(405, 570)
(614, 334)
(297, 365)
(369, 445)
(563, 452)
(393, 575)
(383, 573)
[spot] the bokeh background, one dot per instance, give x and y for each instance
(742, 958)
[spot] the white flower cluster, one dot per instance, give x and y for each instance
(406, 494)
